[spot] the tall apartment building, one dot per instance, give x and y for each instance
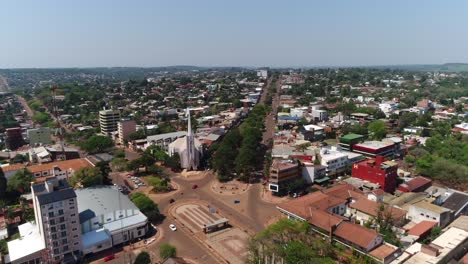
(13, 138)
(57, 220)
(38, 136)
(108, 120)
(125, 128)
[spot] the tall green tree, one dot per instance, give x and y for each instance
(377, 130)
(87, 177)
(21, 181)
(97, 144)
(143, 258)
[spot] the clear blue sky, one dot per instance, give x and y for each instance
(88, 33)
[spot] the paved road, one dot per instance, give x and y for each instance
(26, 107)
(270, 120)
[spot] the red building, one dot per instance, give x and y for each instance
(378, 171)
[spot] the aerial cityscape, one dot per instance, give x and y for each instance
(256, 132)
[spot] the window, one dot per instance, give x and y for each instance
(73, 222)
(62, 219)
(55, 243)
(74, 229)
(63, 234)
(64, 241)
(54, 236)
(62, 227)
(60, 212)
(56, 251)
(53, 229)
(72, 207)
(51, 214)
(72, 215)
(139, 233)
(52, 222)
(75, 236)
(76, 243)
(65, 248)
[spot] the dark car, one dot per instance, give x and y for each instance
(194, 186)
(236, 201)
(171, 200)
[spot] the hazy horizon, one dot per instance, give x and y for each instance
(361, 33)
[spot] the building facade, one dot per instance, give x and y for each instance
(125, 128)
(13, 138)
(281, 173)
(56, 215)
(377, 171)
(108, 120)
(39, 136)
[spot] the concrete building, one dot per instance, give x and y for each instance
(319, 115)
(55, 237)
(424, 210)
(125, 128)
(282, 172)
(376, 148)
(108, 218)
(164, 140)
(39, 136)
(13, 138)
(108, 120)
(334, 160)
(377, 171)
(262, 74)
(347, 141)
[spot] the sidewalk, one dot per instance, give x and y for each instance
(270, 198)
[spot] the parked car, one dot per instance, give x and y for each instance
(236, 201)
(109, 258)
(172, 227)
(194, 186)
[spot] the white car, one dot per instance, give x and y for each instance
(172, 227)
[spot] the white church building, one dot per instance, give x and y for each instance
(189, 148)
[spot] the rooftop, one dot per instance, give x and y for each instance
(431, 207)
(461, 222)
(421, 228)
(371, 208)
(383, 251)
(349, 232)
(73, 164)
(30, 242)
(352, 136)
(101, 200)
(456, 202)
(374, 144)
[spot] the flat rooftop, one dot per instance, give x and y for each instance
(29, 243)
(374, 144)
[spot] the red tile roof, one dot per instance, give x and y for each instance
(356, 234)
(13, 167)
(303, 206)
(73, 164)
(345, 191)
(415, 183)
(383, 251)
(422, 228)
(371, 208)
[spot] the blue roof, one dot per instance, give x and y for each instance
(95, 237)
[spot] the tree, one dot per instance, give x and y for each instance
(156, 152)
(377, 130)
(97, 144)
(21, 181)
(105, 169)
(173, 162)
(167, 251)
(87, 177)
(146, 206)
(146, 160)
(3, 184)
(118, 164)
(143, 258)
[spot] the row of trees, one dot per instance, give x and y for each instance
(147, 206)
(238, 152)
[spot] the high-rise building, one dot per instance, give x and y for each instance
(125, 128)
(38, 136)
(57, 220)
(108, 120)
(13, 138)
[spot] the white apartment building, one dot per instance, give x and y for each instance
(108, 120)
(55, 237)
(334, 160)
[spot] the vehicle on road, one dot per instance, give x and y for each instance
(109, 258)
(194, 186)
(171, 200)
(236, 201)
(172, 227)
